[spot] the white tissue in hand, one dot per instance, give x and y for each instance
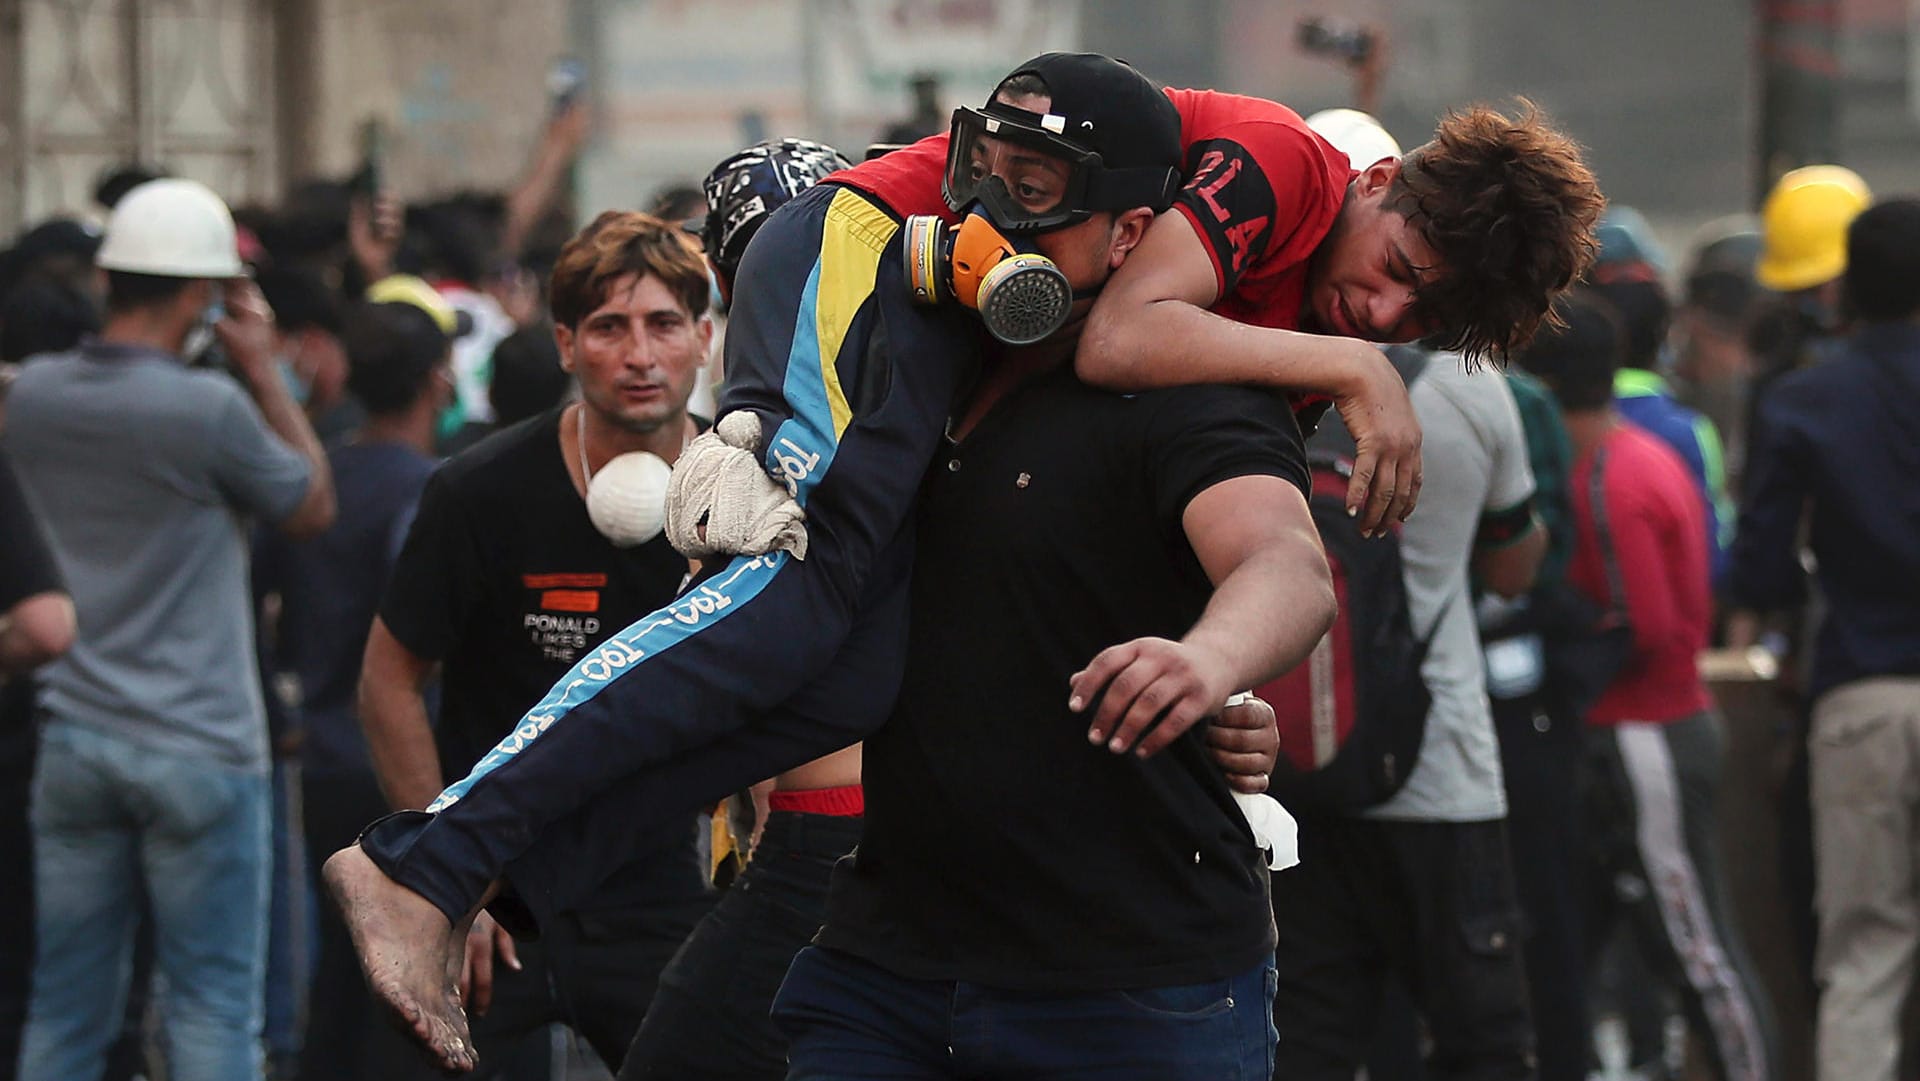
(1273, 829)
(627, 499)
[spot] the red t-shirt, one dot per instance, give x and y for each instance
(906, 181)
(1653, 515)
(1261, 191)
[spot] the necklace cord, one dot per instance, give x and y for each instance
(580, 429)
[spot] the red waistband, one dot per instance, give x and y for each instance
(847, 800)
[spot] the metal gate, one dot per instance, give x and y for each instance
(89, 84)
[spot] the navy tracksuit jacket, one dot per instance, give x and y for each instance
(769, 662)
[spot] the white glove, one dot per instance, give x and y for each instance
(720, 483)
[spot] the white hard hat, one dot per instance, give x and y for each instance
(1355, 134)
(171, 228)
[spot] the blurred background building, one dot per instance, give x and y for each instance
(1689, 108)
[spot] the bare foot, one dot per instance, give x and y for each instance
(402, 940)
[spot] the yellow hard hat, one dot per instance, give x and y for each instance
(1805, 223)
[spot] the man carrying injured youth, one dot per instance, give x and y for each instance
(774, 660)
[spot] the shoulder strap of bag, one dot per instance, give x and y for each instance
(1603, 534)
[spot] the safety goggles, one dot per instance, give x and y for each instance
(1026, 176)
(1028, 173)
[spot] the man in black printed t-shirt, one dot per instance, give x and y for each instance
(506, 580)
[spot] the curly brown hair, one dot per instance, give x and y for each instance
(618, 243)
(1510, 207)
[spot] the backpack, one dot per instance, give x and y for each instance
(1352, 715)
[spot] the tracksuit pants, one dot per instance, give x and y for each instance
(1652, 823)
(770, 661)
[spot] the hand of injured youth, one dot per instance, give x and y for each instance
(1245, 743)
(1149, 692)
(1386, 463)
(721, 502)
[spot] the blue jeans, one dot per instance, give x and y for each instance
(291, 938)
(109, 814)
(847, 1019)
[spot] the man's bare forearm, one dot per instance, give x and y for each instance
(1272, 600)
(393, 714)
(401, 744)
(1169, 343)
(546, 174)
(1268, 613)
(1164, 343)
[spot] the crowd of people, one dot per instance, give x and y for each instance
(388, 595)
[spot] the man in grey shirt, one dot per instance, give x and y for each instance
(153, 767)
(1421, 886)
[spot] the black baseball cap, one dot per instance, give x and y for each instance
(1108, 107)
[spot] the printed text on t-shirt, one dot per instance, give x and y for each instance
(1229, 199)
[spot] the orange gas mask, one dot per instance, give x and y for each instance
(1020, 294)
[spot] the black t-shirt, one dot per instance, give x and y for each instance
(26, 570)
(504, 580)
(330, 586)
(26, 565)
(1000, 847)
